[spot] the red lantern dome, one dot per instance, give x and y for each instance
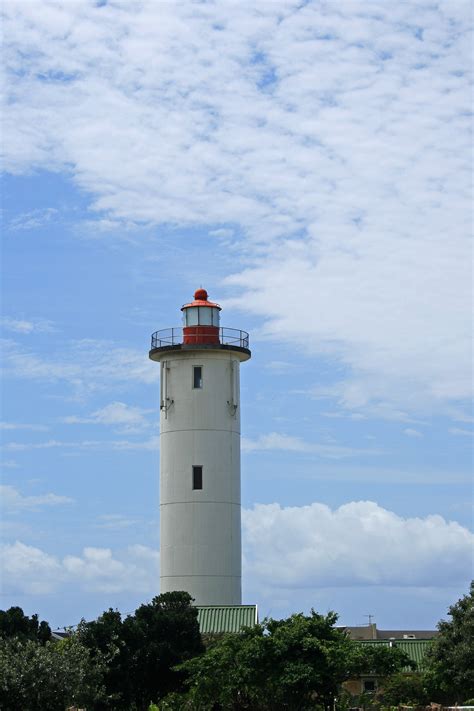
(201, 320)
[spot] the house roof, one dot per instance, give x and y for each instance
(370, 632)
(416, 649)
(407, 634)
(215, 619)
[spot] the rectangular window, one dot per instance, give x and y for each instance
(197, 377)
(197, 477)
(369, 685)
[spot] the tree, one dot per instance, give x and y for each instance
(293, 664)
(160, 636)
(14, 623)
(379, 660)
(143, 650)
(104, 638)
(404, 689)
(450, 674)
(34, 677)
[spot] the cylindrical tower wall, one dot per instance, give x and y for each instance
(200, 539)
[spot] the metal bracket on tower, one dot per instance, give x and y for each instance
(233, 402)
(165, 401)
(232, 407)
(167, 404)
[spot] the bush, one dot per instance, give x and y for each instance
(35, 677)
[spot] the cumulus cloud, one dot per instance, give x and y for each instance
(30, 570)
(333, 139)
(285, 548)
(13, 500)
(360, 543)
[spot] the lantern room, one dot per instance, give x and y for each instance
(201, 320)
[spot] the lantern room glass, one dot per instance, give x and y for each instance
(201, 316)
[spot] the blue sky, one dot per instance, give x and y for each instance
(307, 163)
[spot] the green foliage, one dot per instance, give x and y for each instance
(104, 638)
(142, 650)
(14, 623)
(379, 660)
(450, 673)
(35, 677)
(297, 663)
(404, 689)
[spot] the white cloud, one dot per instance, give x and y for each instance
(85, 365)
(135, 569)
(30, 570)
(116, 521)
(127, 417)
(9, 464)
(409, 432)
(461, 432)
(360, 543)
(25, 327)
(152, 443)
(33, 219)
(13, 500)
(335, 136)
(278, 366)
(22, 426)
(285, 548)
(288, 443)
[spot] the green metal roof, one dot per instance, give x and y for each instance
(416, 649)
(215, 619)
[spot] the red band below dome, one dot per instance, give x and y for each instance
(201, 335)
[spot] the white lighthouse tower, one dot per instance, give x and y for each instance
(200, 542)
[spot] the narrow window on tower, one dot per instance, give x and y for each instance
(197, 477)
(197, 377)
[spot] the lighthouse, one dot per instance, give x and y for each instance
(200, 538)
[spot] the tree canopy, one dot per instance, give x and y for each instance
(14, 623)
(35, 677)
(450, 673)
(295, 664)
(157, 654)
(143, 650)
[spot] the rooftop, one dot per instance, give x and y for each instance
(416, 649)
(370, 632)
(216, 619)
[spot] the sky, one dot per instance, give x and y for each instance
(308, 163)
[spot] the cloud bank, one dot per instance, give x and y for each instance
(333, 139)
(31, 570)
(360, 543)
(285, 548)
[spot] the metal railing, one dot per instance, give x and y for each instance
(175, 337)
